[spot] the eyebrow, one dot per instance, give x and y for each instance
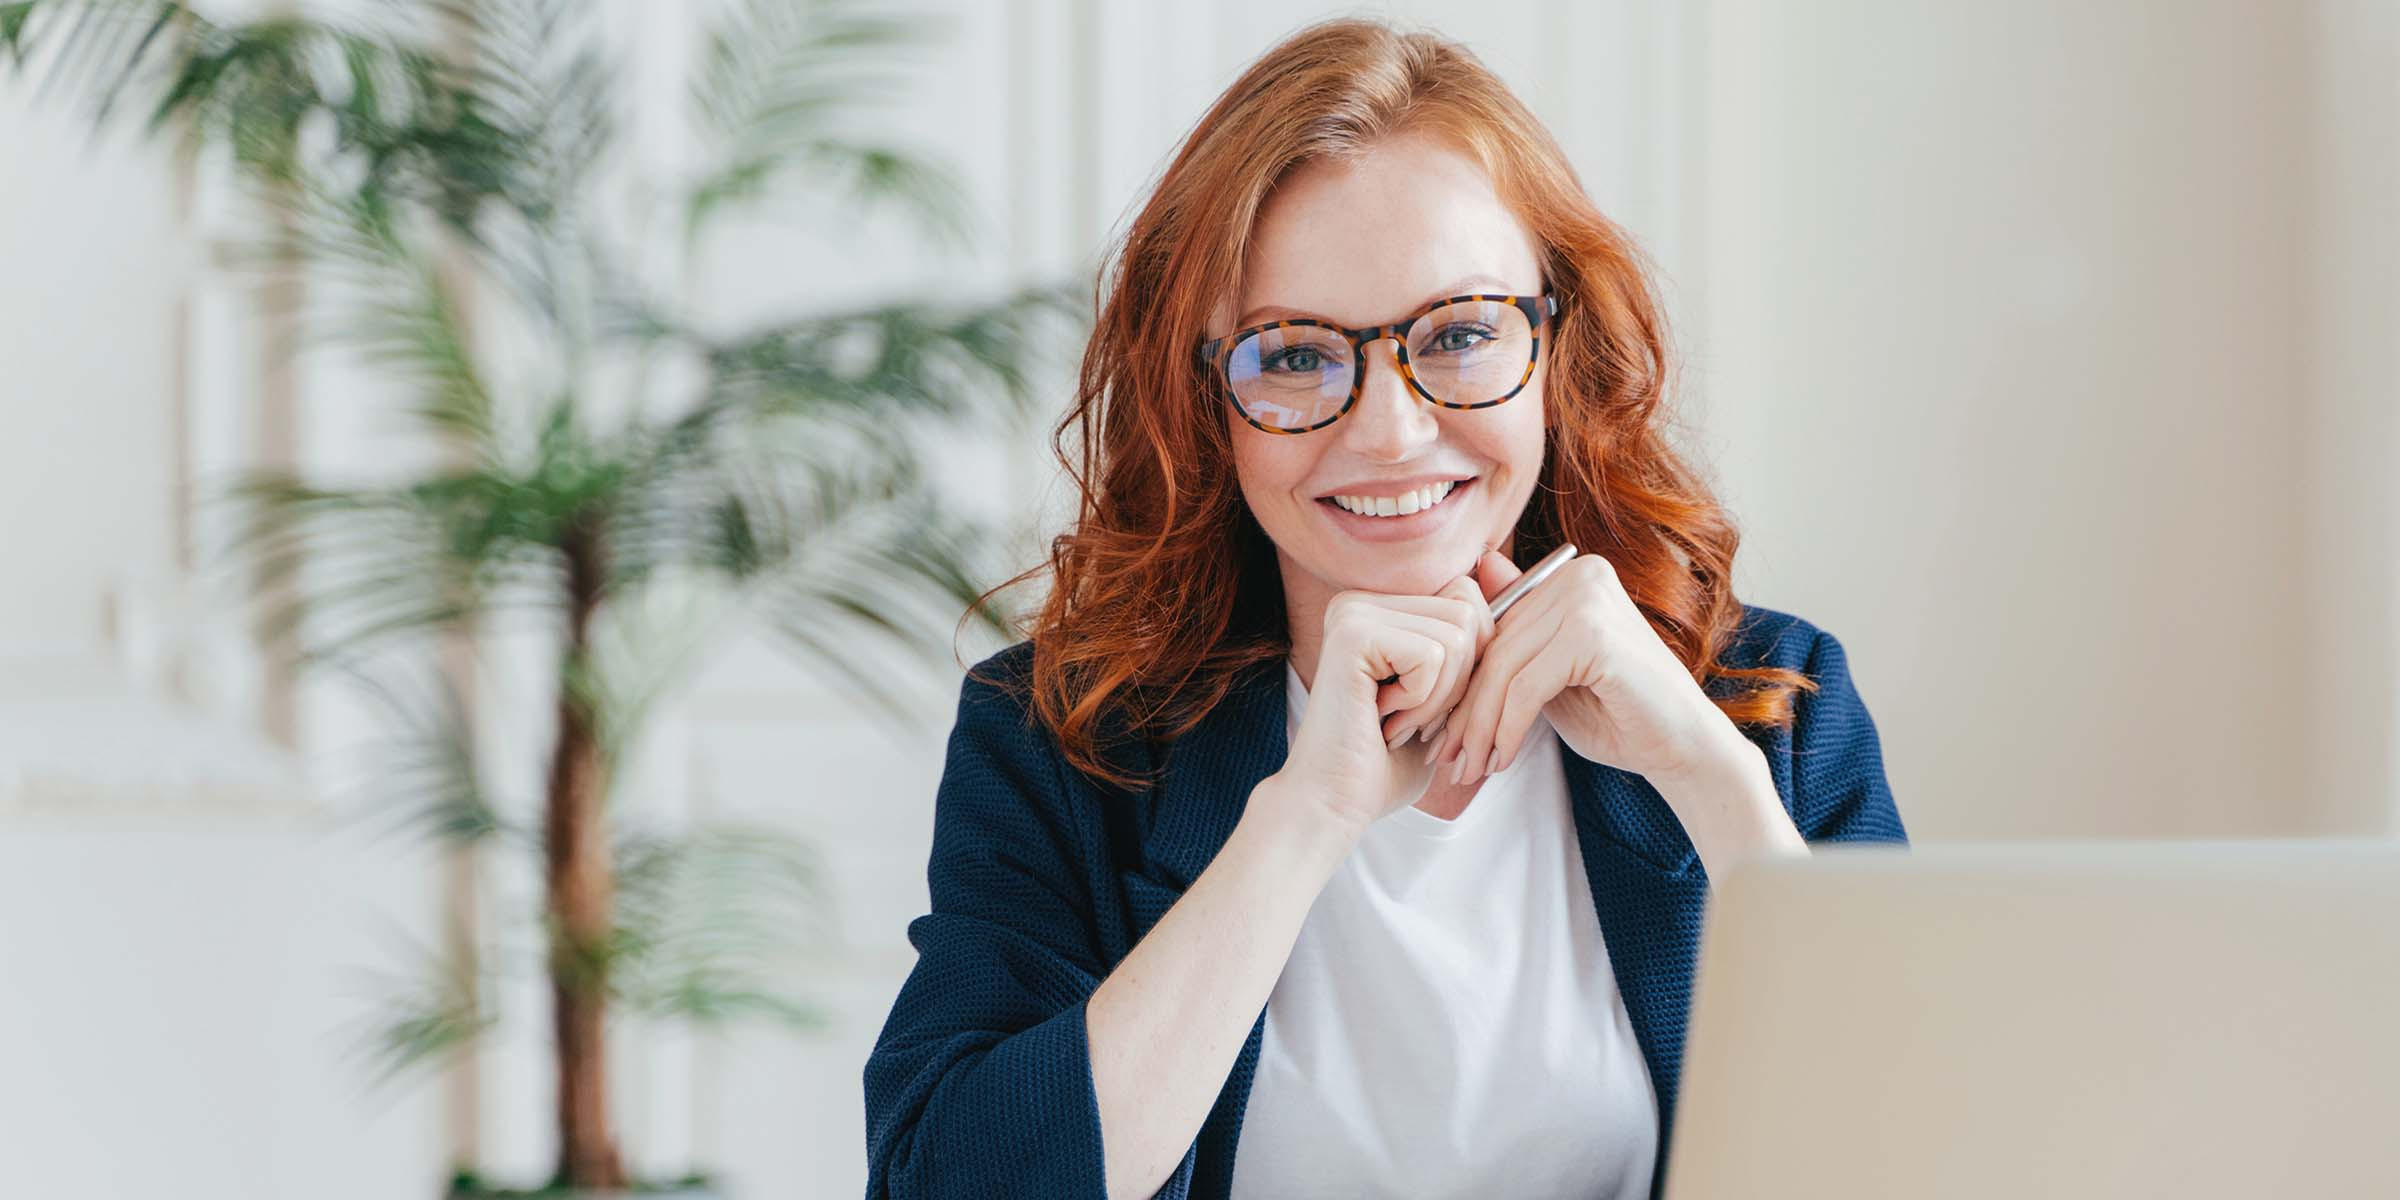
(1274, 312)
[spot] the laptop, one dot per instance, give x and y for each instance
(2177, 1019)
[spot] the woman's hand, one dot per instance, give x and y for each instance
(1351, 752)
(1578, 650)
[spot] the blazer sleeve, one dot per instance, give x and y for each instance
(1839, 792)
(980, 1083)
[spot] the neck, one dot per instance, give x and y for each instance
(1304, 599)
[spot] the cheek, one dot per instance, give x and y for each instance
(1269, 467)
(1529, 443)
(1518, 440)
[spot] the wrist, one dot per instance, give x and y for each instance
(1728, 803)
(1729, 766)
(1291, 816)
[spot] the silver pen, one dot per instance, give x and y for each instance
(1531, 579)
(1501, 603)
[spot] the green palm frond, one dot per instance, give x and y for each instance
(375, 290)
(772, 87)
(427, 779)
(890, 590)
(421, 1016)
(339, 570)
(97, 46)
(906, 358)
(643, 645)
(828, 527)
(720, 924)
(347, 570)
(537, 72)
(13, 18)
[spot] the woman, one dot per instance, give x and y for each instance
(1270, 837)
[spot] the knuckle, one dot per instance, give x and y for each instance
(1349, 612)
(1591, 622)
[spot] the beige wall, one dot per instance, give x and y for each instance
(2350, 316)
(2014, 385)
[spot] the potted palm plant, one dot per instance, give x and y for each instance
(635, 483)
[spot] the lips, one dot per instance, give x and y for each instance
(1398, 526)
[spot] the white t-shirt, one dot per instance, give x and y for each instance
(1448, 1024)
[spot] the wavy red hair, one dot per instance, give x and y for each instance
(1165, 588)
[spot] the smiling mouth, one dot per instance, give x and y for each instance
(1394, 507)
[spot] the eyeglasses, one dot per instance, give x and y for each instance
(1301, 375)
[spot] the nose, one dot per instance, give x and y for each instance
(1391, 422)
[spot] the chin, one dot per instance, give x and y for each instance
(1422, 573)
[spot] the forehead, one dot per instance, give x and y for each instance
(1365, 241)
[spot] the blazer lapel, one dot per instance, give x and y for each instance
(1210, 772)
(1200, 797)
(1649, 889)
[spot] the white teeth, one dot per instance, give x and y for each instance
(1396, 506)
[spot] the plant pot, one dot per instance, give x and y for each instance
(695, 1187)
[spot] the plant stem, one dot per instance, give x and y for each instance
(581, 893)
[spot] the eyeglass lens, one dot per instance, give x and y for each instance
(1296, 376)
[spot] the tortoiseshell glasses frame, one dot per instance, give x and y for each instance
(1215, 354)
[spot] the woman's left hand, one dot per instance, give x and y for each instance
(1577, 649)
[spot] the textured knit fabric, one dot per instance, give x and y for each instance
(980, 1082)
(1447, 1026)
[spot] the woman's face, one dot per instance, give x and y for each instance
(1368, 243)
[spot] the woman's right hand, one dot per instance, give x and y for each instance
(1341, 755)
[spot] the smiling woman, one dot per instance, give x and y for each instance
(1272, 833)
(1358, 175)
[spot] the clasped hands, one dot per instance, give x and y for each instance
(1577, 650)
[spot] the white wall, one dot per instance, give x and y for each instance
(2045, 353)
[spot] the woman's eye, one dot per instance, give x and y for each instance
(1298, 358)
(1454, 338)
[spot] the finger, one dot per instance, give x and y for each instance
(1439, 606)
(1462, 631)
(1454, 652)
(1477, 605)
(1494, 572)
(1408, 657)
(1369, 608)
(1543, 678)
(1474, 612)
(1511, 649)
(1479, 619)
(1458, 663)
(1492, 669)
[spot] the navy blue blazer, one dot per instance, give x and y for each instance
(980, 1083)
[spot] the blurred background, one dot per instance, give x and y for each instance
(2047, 353)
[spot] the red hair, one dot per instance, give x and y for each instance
(1165, 588)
